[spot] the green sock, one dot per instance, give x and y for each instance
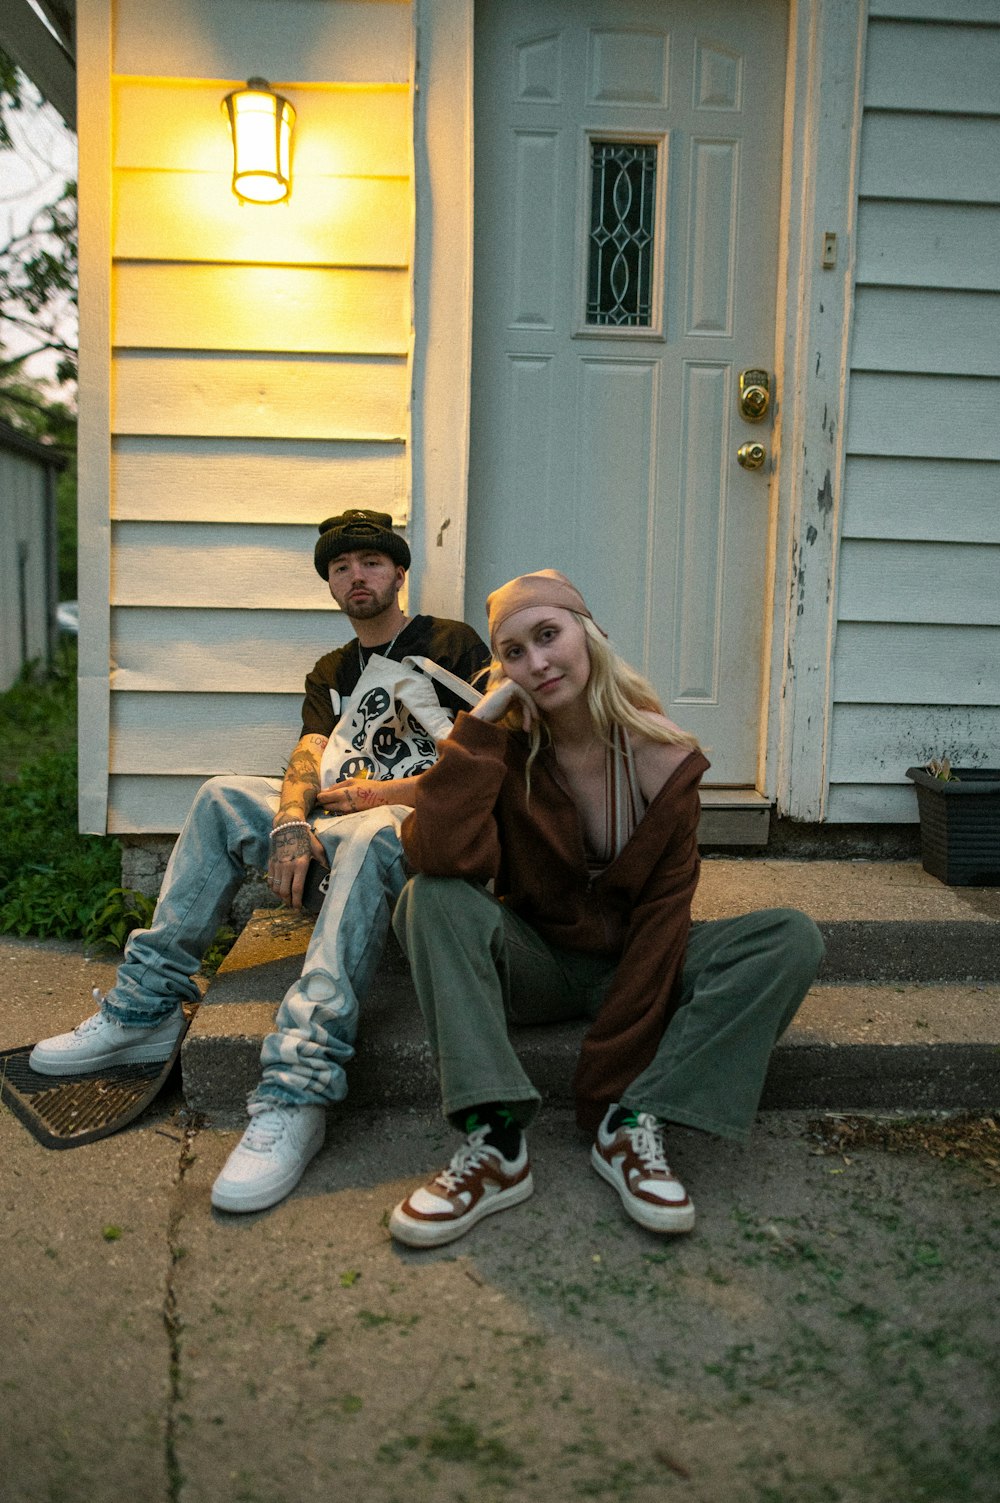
(623, 1116)
(504, 1132)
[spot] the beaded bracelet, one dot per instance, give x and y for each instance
(290, 824)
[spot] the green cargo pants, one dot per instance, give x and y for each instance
(478, 968)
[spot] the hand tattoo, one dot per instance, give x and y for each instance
(291, 843)
(365, 796)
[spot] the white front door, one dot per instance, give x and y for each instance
(627, 185)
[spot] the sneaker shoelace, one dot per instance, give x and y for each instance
(264, 1131)
(468, 1157)
(646, 1138)
(95, 1020)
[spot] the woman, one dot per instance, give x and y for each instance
(569, 788)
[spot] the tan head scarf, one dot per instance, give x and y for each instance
(544, 587)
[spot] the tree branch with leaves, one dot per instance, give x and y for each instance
(38, 264)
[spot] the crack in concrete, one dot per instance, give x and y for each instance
(172, 1321)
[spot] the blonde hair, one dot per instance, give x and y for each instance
(616, 695)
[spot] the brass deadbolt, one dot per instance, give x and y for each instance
(755, 395)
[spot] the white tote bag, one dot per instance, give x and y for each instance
(390, 726)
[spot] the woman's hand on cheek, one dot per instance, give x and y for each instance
(503, 697)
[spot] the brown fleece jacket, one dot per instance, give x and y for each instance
(472, 819)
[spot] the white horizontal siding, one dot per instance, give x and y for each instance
(882, 739)
(202, 734)
(193, 216)
(141, 804)
(340, 131)
(872, 804)
(228, 567)
(933, 68)
(159, 479)
(916, 668)
(936, 10)
(917, 656)
(938, 157)
(928, 245)
(938, 417)
(884, 664)
(920, 329)
(260, 372)
(171, 649)
(890, 497)
(920, 582)
(348, 41)
(260, 396)
(309, 309)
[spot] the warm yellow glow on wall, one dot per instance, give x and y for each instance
(261, 123)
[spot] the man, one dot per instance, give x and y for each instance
(239, 822)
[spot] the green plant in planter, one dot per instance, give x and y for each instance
(959, 822)
(940, 767)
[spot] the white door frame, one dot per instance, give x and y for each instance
(819, 198)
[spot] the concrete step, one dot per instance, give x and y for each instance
(733, 816)
(906, 1012)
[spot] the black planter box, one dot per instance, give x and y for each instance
(960, 825)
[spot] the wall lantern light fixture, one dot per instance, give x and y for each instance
(261, 123)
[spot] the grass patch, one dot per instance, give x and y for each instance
(54, 882)
(38, 713)
(460, 1440)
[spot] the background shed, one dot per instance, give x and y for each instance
(28, 554)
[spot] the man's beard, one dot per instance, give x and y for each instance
(373, 605)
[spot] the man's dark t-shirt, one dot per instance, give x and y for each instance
(452, 644)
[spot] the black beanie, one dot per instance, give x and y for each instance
(358, 531)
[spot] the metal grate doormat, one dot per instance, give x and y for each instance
(66, 1111)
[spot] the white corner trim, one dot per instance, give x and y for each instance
(94, 64)
(823, 129)
(442, 301)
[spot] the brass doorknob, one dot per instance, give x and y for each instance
(751, 456)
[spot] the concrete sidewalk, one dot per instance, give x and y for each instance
(828, 1334)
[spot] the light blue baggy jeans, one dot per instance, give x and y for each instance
(225, 832)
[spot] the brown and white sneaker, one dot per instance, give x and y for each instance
(477, 1182)
(632, 1158)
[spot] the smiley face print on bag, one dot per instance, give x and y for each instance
(357, 767)
(370, 708)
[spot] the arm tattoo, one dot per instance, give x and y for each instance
(304, 769)
(301, 781)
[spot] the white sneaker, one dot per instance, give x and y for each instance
(99, 1041)
(477, 1182)
(633, 1160)
(270, 1158)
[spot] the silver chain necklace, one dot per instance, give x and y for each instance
(363, 661)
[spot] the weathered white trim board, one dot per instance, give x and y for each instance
(94, 430)
(823, 134)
